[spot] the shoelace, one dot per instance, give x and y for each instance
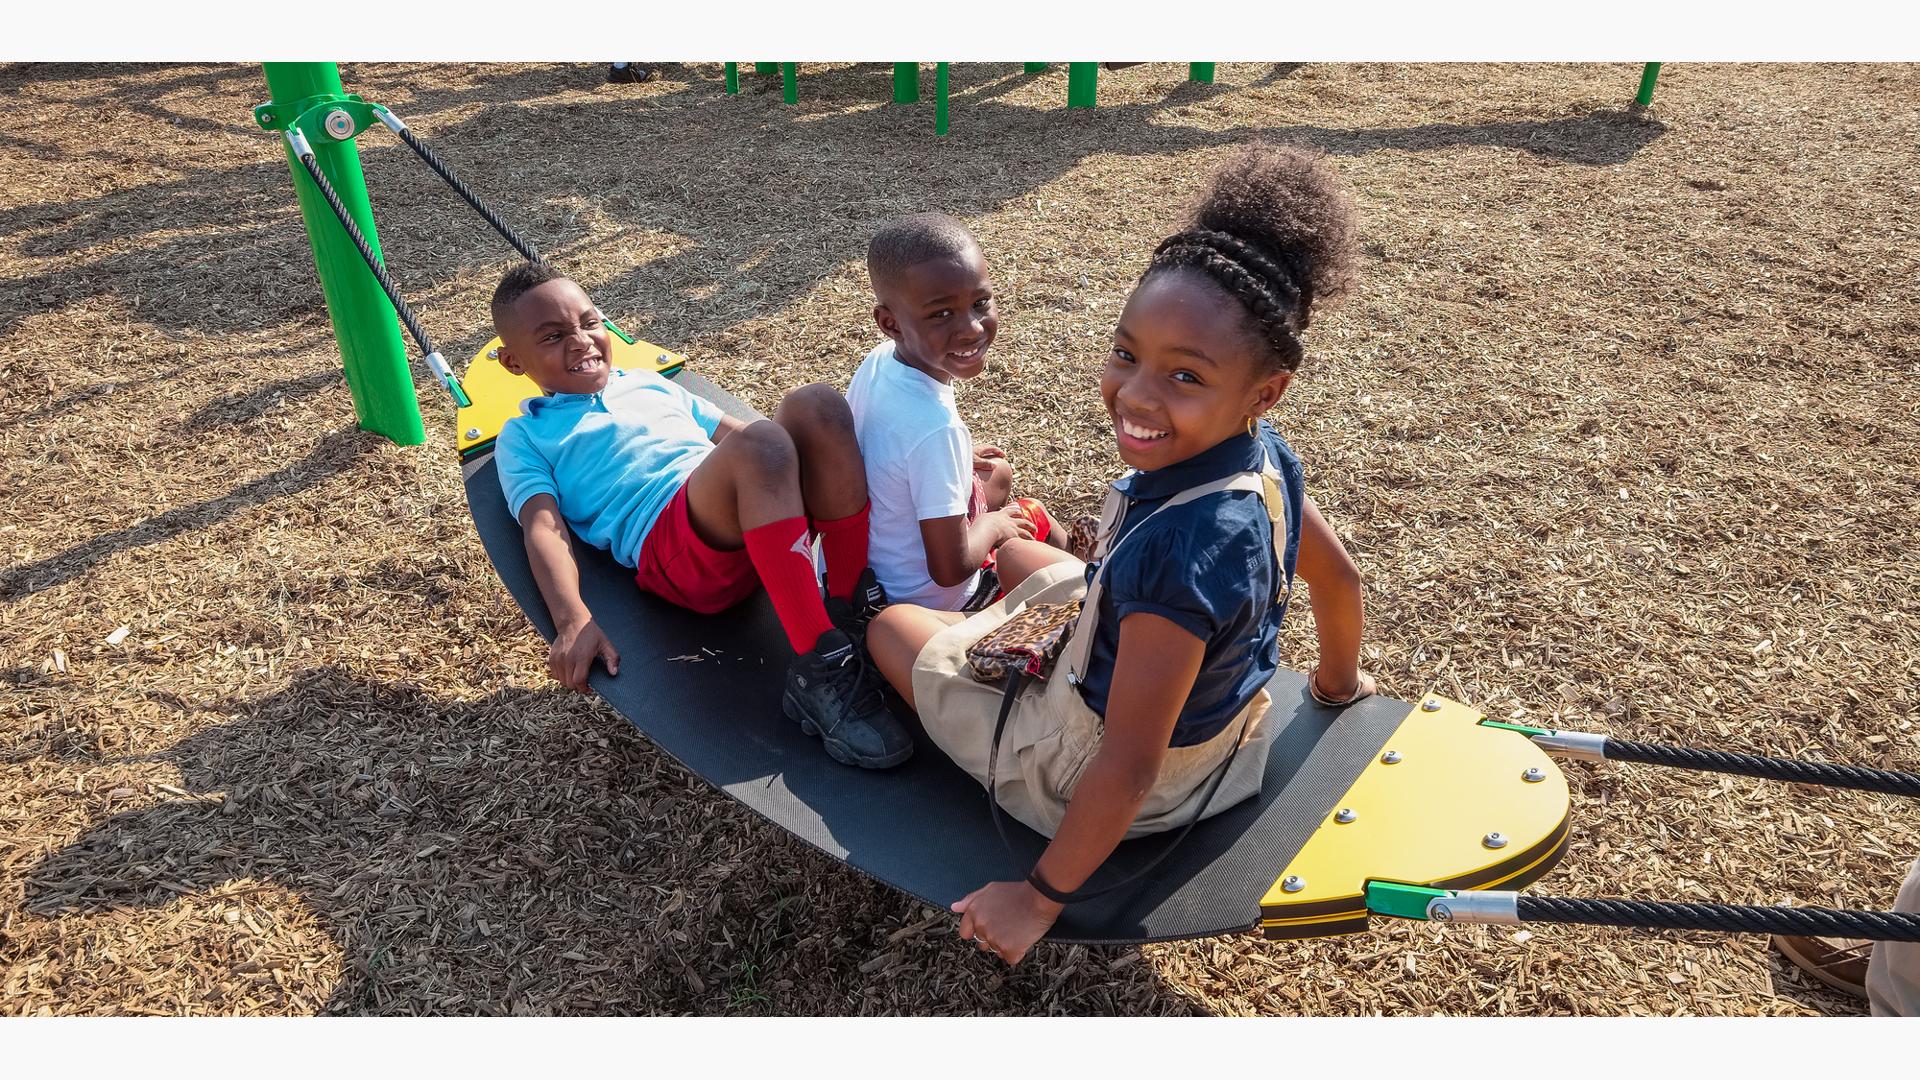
(866, 689)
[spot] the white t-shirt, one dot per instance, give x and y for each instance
(919, 458)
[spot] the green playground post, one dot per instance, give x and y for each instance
(765, 69)
(364, 323)
(940, 99)
(1083, 84)
(906, 84)
(1648, 76)
(1034, 69)
(733, 78)
(790, 79)
(1202, 73)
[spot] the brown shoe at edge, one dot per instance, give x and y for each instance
(1840, 963)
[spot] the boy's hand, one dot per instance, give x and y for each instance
(574, 649)
(1005, 918)
(1011, 522)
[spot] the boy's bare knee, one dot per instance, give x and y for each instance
(766, 449)
(816, 407)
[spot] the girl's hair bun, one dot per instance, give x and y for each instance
(1287, 203)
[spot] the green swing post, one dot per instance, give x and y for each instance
(733, 78)
(790, 81)
(1200, 73)
(906, 84)
(1648, 76)
(1083, 84)
(940, 99)
(371, 352)
(1034, 69)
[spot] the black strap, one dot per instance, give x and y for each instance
(1017, 679)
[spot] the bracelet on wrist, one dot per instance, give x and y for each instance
(1314, 691)
(1046, 890)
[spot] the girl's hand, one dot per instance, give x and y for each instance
(574, 649)
(988, 452)
(1006, 918)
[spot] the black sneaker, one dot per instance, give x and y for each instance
(630, 73)
(833, 692)
(854, 613)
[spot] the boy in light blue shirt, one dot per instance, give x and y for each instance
(702, 506)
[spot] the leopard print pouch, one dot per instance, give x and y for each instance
(1028, 642)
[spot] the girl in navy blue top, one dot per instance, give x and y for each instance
(1195, 579)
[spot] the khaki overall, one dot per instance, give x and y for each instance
(1051, 734)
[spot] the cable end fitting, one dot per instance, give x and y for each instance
(1489, 906)
(448, 379)
(1580, 745)
(393, 122)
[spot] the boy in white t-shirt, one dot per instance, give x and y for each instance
(939, 506)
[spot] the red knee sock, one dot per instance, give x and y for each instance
(785, 564)
(844, 542)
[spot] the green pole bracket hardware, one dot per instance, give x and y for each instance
(790, 80)
(1034, 69)
(906, 84)
(733, 78)
(1392, 899)
(1083, 85)
(766, 69)
(320, 117)
(940, 99)
(1201, 73)
(335, 121)
(1648, 76)
(364, 324)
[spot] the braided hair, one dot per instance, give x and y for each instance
(1275, 231)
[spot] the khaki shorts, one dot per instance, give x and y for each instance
(1051, 735)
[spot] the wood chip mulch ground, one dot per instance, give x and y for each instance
(1622, 427)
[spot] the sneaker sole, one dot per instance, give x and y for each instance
(791, 706)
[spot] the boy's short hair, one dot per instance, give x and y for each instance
(520, 279)
(909, 241)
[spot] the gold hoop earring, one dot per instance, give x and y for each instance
(1250, 430)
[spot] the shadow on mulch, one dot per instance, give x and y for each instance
(528, 853)
(740, 177)
(333, 454)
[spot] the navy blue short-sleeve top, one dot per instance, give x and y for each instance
(1208, 566)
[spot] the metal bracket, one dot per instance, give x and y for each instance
(1398, 901)
(322, 118)
(1581, 745)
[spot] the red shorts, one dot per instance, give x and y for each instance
(679, 567)
(976, 502)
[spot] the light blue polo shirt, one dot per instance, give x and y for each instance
(612, 460)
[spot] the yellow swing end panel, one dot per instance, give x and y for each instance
(1447, 803)
(496, 393)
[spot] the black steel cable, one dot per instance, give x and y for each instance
(1885, 781)
(433, 161)
(1726, 918)
(366, 252)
